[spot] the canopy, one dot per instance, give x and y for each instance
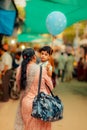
(38, 10)
(28, 38)
(33, 38)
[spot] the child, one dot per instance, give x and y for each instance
(47, 61)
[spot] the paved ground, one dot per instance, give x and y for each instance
(74, 97)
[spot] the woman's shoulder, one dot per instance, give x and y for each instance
(33, 66)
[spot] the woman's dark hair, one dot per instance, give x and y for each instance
(46, 48)
(18, 53)
(27, 55)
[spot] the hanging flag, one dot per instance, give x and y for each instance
(8, 14)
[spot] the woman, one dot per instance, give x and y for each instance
(27, 79)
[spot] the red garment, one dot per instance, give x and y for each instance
(85, 74)
(80, 71)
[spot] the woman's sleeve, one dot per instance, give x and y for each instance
(47, 79)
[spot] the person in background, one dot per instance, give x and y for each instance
(61, 66)
(17, 60)
(6, 72)
(80, 69)
(85, 68)
(69, 67)
(27, 78)
(1, 68)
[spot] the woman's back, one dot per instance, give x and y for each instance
(30, 90)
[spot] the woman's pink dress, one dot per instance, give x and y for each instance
(31, 123)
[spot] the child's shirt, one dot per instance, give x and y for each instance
(45, 65)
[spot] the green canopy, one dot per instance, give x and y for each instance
(38, 10)
(28, 38)
(35, 38)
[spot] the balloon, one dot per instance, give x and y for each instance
(56, 22)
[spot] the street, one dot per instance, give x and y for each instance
(74, 97)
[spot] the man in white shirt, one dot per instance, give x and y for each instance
(7, 72)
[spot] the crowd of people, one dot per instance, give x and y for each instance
(58, 65)
(7, 66)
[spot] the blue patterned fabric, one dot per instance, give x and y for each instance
(47, 107)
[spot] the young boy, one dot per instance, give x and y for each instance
(45, 54)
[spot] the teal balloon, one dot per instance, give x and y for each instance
(56, 22)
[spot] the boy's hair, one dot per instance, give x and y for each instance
(48, 49)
